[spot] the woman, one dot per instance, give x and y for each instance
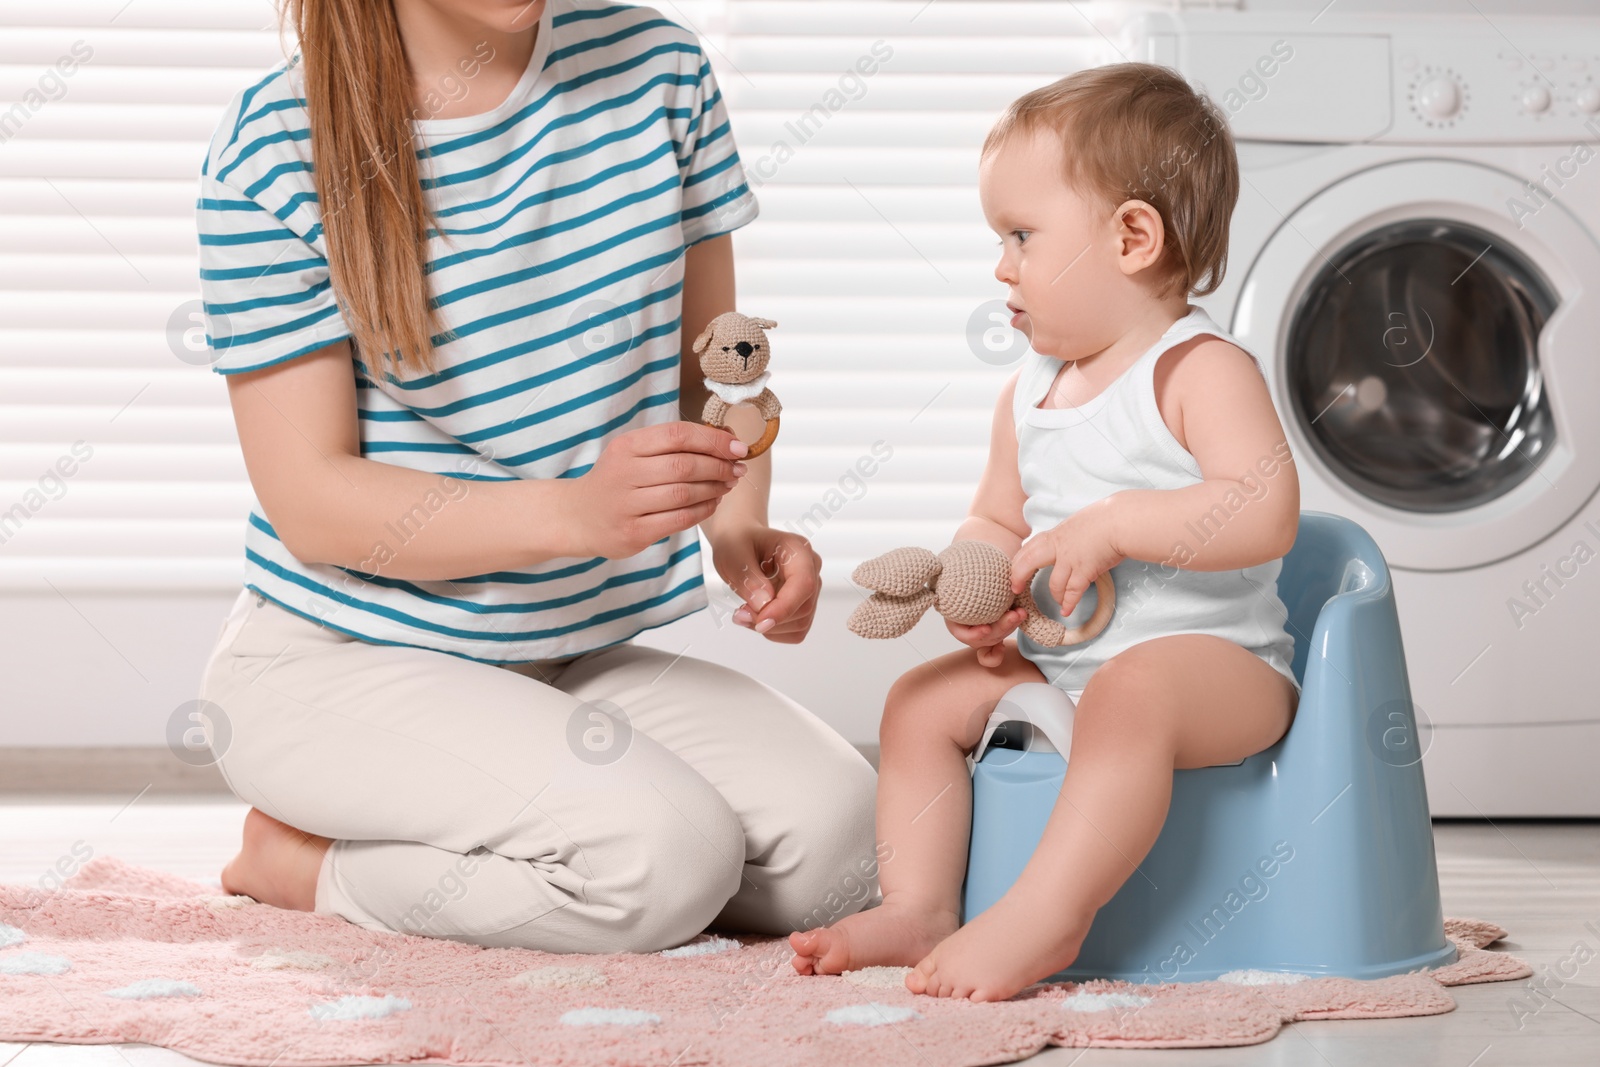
(452, 252)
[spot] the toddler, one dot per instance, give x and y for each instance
(1138, 438)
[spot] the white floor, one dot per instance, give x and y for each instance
(1539, 880)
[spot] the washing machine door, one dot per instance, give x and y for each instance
(1433, 359)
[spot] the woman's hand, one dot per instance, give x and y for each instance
(652, 482)
(778, 574)
(1080, 549)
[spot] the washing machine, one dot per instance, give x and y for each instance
(1415, 259)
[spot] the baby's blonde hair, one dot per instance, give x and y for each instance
(1137, 131)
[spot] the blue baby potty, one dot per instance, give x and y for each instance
(1314, 856)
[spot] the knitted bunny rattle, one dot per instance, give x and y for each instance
(968, 583)
(733, 353)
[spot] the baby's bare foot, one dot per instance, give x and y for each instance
(1001, 952)
(278, 864)
(896, 933)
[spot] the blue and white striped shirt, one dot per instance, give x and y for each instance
(567, 210)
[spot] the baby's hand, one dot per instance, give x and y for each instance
(988, 637)
(1079, 550)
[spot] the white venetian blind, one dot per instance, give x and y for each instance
(97, 257)
(870, 252)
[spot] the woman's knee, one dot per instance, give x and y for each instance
(648, 853)
(668, 889)
(675, 869)
(825, 865)
(831, 885)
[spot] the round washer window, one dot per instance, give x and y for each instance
(1413, 365)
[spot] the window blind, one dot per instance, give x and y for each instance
(858, 123)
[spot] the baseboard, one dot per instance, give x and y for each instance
(121, 669)
(1527, 770)
(129, 772)
(1457, 760)
(108, 771)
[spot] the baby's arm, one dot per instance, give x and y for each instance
(1244, 511)
(996, 512)
(1247, 509)
(996, 517)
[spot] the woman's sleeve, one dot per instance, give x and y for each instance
(716, 198)
(264, 289)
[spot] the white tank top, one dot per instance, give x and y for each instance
(1071, 457)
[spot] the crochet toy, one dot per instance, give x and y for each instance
(733, 354)
(968, 583)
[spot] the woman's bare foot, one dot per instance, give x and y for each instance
(894, 934)
(1002, 951)
(278, 864)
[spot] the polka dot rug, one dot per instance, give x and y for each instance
(126, 954)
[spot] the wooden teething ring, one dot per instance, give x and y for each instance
(768, 435)
(764, 442)
(1105, 604)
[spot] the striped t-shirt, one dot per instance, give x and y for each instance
(568, 210)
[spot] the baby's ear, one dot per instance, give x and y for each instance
(889, 616)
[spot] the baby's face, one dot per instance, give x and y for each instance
(1058, 249)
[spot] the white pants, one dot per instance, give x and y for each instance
(622, 800)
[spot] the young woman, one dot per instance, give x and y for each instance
(452, 255)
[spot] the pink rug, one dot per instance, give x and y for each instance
(127, 954)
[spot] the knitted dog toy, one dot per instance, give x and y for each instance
(734, 353)
(968, 583)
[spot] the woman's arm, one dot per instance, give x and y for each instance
(297, 427)
(329, 504)
(775, 572)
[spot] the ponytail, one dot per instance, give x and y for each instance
(375, 220)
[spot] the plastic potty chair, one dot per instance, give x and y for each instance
(1313, 856)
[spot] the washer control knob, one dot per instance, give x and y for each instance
(1439, 98)
(1588, 99)
(1536, 99)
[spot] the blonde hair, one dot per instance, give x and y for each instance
(375, 220)
(1138, 131)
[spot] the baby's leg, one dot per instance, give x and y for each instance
(1187, 700)
(933, 717)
